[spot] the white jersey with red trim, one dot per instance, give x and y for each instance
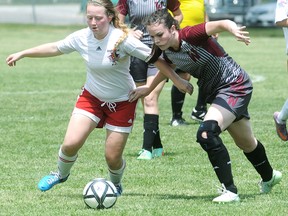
(108, 76)
(281, 13)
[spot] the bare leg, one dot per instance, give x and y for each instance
(114, 147)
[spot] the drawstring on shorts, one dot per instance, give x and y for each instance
(111, 106)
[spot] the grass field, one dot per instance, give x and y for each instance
(38, 96)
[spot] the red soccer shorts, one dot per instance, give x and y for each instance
(115, 116)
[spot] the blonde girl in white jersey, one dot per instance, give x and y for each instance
(281, 19)
(106, 48)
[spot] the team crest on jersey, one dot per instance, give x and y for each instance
(193, 54)
(114, 57)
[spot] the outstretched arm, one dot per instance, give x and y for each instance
(215, 27)
(44, 50)
(283, 23)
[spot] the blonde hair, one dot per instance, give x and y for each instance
(111, 11)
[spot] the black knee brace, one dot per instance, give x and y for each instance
(213, 141)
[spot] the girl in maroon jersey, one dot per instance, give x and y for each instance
(224, 85)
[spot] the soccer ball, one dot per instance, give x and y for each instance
(100, 194)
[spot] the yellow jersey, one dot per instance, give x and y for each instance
(193, 12)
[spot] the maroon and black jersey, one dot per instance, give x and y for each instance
(205, 59)
(137, 11)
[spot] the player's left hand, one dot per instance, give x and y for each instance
(136, 33)
(242, 35)
(139, 92)
(184, 86)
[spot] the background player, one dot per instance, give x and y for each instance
(193, 13)
(144, 73)
(281, 19)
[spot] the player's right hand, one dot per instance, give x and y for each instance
(11, 59)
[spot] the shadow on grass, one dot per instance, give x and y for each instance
(191, 197)
(172, 196)
(208, 198)
(187, 123)
(160, 196)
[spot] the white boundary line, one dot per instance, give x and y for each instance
(257, 78)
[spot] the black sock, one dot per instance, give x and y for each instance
(200, 107)
(220, 160)
(177, 101)
(259, 160)
(151, 132)
(157, 141)
(201, 104)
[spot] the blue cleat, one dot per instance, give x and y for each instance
(119, 189)
(157, 152)
(47, 182)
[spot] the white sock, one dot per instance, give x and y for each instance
(116, 175)
(65, 164)
(283, 115)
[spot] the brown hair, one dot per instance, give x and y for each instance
(161, 17)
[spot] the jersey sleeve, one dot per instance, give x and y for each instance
(122, 7)
(172, 5)
(136, 48)
(68, 44)
(194, 34)
(154, 55)
(281, 11)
